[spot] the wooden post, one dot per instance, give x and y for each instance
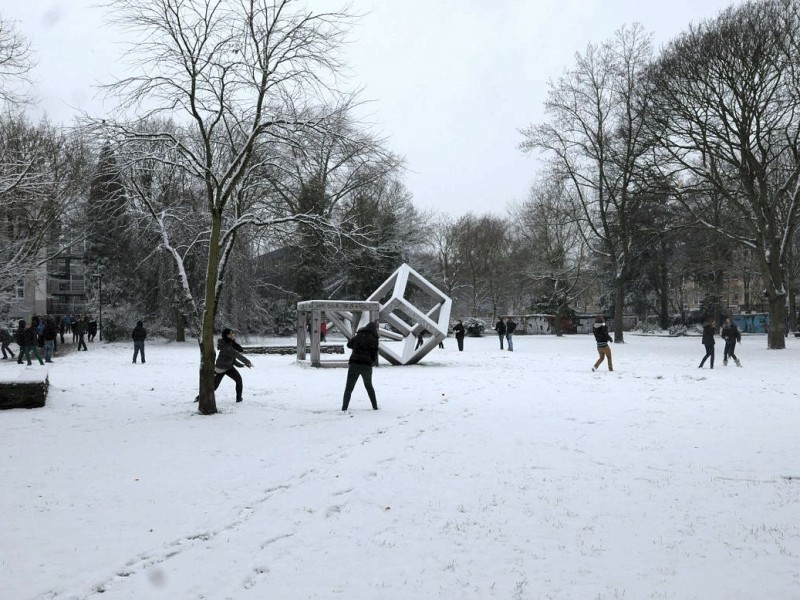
(315, 320)
(301, 335)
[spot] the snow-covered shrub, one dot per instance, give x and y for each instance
(474, 327)
(678, 330)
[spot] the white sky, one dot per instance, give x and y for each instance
(450, 81)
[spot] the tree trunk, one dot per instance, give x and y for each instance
(619, 305)
(663, 296)
(777, 322)
(180, 328)
(208, 404)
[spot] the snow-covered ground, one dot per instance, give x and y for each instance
(485, 474)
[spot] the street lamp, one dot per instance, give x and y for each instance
(99, 278)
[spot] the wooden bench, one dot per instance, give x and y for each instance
(28, 389)
(327, 349)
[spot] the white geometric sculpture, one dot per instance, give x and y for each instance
(408, 320)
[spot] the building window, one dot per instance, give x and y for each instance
(20, 289)
(736, 298)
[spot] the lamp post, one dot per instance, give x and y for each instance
(99, 278)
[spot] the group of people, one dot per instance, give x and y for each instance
(37, 337)
(505, 330)
(730, 333)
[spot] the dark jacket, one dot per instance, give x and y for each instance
(510, 326)
(458, 330)
(601, 335)
(5, 337)
(731, 333)
(19, 334)
(708, 335)
(50, 330)
(229, 355)
(29, 337)
(500, 327)
(364, 345)
(139, 333)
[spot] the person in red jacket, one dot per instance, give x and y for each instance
(365, 354)
(323, 330)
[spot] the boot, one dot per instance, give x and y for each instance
(738, 363)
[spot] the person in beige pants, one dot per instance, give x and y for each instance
(603, 341)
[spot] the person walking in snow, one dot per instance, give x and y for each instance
(708, 341)
(5, 340)
(730, 333)
(323, 330)
(603, 340)
(19, 337)
(500, 328)
(50, 333)
(420, 339)
(364, 345)
(511, 326)
(81, 327)
(139, 335)
(459, 332)
(31, 344)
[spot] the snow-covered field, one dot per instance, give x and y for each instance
(485, 474)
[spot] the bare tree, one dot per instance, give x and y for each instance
(16, 61)
(43, 175)
(233, 74)
(596, 140)
(482, 247)
(443, 241)
(728, 99)
(556, 255)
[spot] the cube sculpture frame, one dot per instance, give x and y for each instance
(406, 320)
(433, 318)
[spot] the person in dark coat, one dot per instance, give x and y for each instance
(30, 340)
(708, 341)
(511, 326)
(603, 340)
(365, 354)
(730, 333)
(458, 330)
(19, 337)
(5, 340)
(420, 339)
(500, 328)
(81, 327)
(62, 327)
(91, 329)
(229, 356)
(139, 335)
(50, 333)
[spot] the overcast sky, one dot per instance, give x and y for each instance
(450, 81)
